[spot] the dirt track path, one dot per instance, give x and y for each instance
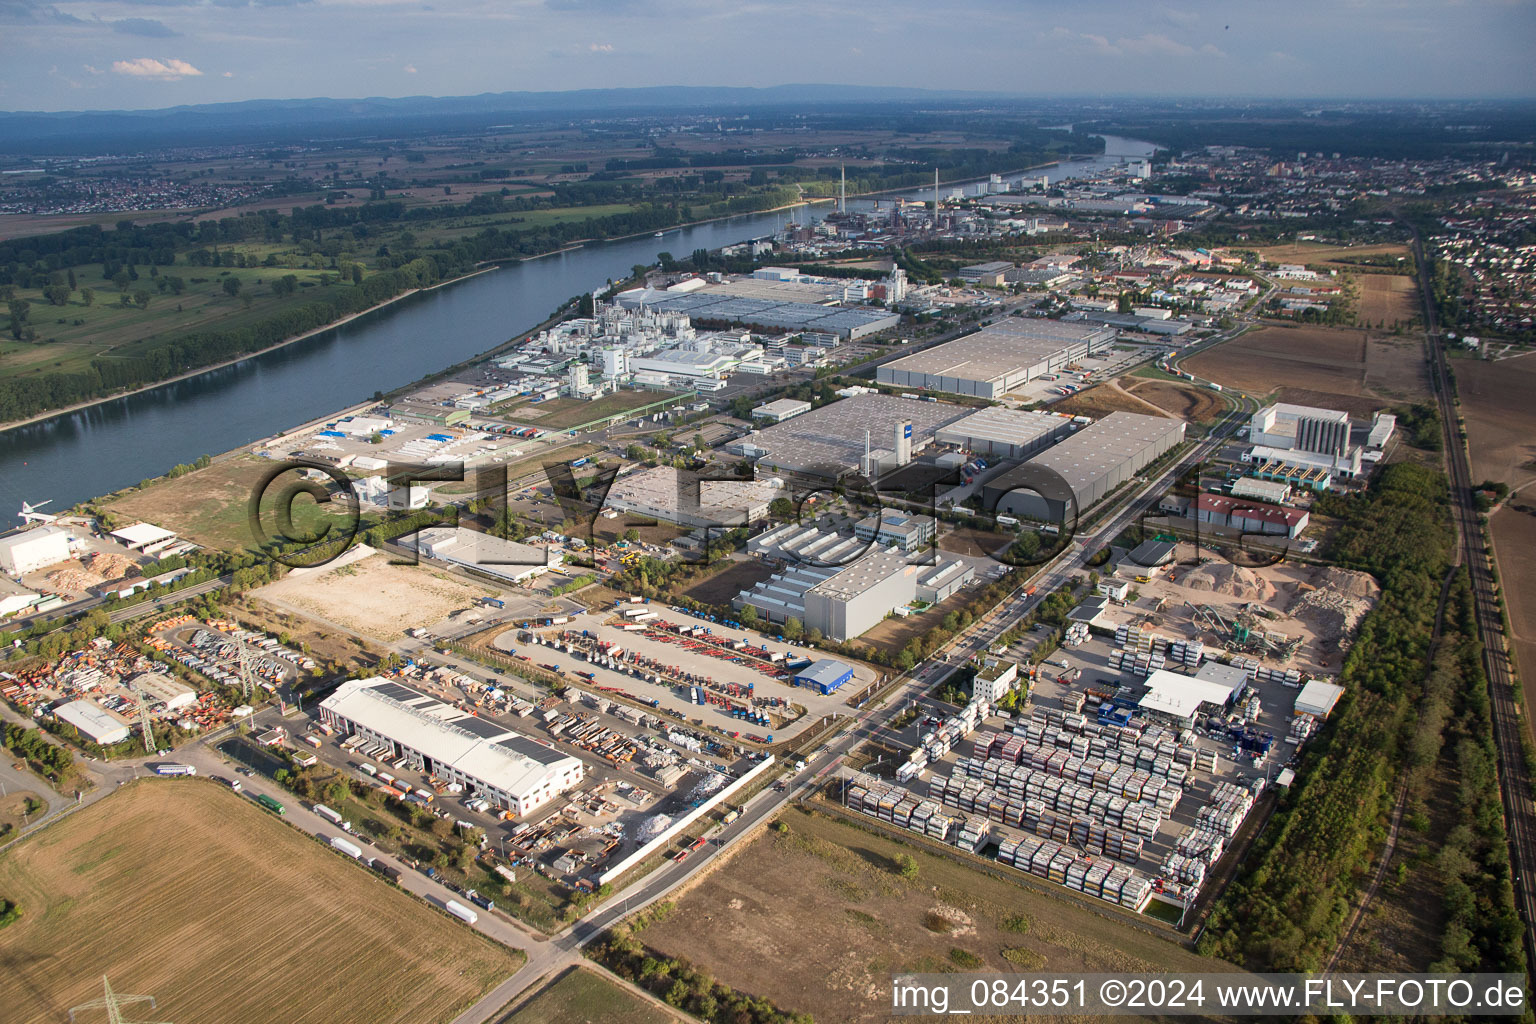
(1156, 410)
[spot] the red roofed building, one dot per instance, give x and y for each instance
(1250, 516)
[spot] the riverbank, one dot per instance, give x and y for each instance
(236, 360)
(483, 269)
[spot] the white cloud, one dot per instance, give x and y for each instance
(168, 69)
(228, 74)
(601, 47)
(410, 69)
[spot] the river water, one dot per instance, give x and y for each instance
(77, 455)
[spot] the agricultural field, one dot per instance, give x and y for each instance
(373, 598)
(582, 996)
(1514, 544)
(209, 505)
(1353, 370)
(239, 904)
(746, 922)
(1501, 417)
(1386, 299)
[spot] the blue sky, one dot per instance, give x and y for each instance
(81, 54)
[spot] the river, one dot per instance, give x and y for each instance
(78, 455)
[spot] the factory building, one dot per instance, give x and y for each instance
(493, 762)
(841, 602)
(861, 595)
(664, 492)
(1383, 425)
(774, 315)
(1301, 428)
(1275, 492)
(942, 581)
(94, 723)
(1084, 468)
(35, 549)
(1317, 699)
(1006, 433)
(485, 554)
(161, 689)
(997, 359)
(1250, 516)
(781, 410)
(831, 441)
(825, 675)
(908, 533)
(988, 275)
(1178, 698)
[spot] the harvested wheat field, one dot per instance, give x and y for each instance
(1357, 371)
(1388, 299)
(375, 598)
(818, 918)
(187, 892)
(1501, 418)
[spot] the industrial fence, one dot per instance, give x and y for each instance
(682, 823)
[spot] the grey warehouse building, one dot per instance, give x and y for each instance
(1085, 467)
(997, 359)
(829, 442)
(1006, 433)
(841, 602)
(848, 322)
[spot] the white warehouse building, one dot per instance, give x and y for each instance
(33, 550)
(494, 763)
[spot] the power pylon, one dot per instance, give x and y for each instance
(113, 1004)
(144, 726)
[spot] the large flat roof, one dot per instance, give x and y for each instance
(1174, 693)
(833, 435)
(142, 533)
(95, 722)
(498, 756)
(999, 350)
(1097, 449)
(1001, 425)
(864, 575)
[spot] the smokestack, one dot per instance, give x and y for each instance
(842, 190)
(935, 197)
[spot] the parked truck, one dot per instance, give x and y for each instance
(461, 912)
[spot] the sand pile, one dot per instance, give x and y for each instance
(1231, 580)
(1340, 600)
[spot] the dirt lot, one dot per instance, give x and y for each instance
(209, 505)
(375, 598)
(581, 996)
(565, 413)
(724, 585)
(324, 645)
(964, 540)
(1103, 399)
(1321, 252)
(1192, 404)
(1501, 418)
(1352, 370)
(187, 892)
(1386, 298)
(17, 808)
(747, 923)
(894, 634)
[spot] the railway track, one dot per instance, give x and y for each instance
(1515, 783)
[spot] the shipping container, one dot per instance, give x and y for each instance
(461, 912)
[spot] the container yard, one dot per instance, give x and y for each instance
(718, 676)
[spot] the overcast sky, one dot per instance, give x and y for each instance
(84, 54)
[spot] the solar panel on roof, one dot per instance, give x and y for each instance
(528, 748)
(394, 691)
(480, 727)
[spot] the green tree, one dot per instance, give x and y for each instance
(56, 294)
(141, 298)
(793, 628)
(748, 615)
(87, 296)
(122, 280)
(231, 286)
